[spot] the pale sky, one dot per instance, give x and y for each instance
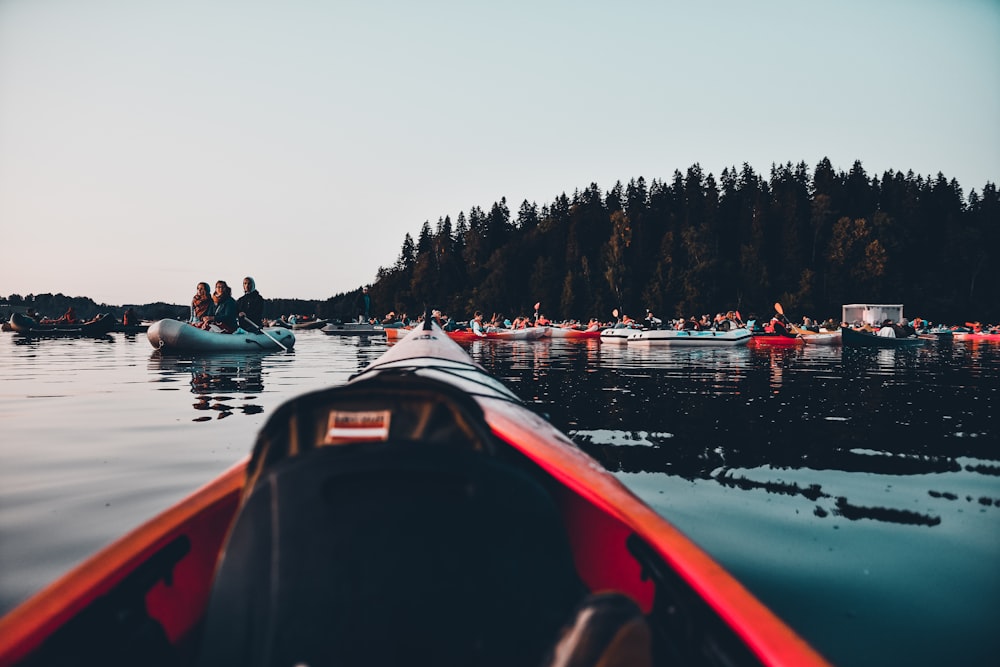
(147, 145)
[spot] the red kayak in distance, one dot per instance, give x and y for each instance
(466, 335)
(775, 339)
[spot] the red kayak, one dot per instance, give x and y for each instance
(775, 339)
(574, 334)
(421, 513)
(529, 333)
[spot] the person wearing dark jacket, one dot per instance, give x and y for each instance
(251, 305)
(224, 314)
(364, 306)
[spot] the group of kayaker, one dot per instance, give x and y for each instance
(69, 317)
(221, 312)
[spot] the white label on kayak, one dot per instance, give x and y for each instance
(357, 426)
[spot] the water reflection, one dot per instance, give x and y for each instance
(804, 423)
(41, 340)
(212, 379)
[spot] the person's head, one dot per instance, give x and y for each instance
(202, 289)
(249, 285)
(364, 290)
(478, 315)
(222, 290)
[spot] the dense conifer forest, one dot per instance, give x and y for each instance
(695, 245)
(812, 241)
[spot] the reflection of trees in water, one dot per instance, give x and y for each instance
(662, 453)
(697, 460)
(213, 377)
(724, 416)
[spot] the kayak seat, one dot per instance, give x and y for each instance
(418, 544)
(392, 554)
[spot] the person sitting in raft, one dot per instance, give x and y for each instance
(224, 316)
(652, 321)
(887, 330)
(542, 321)
(201, 303)
(776, 326)
(129, 318)
(69, 317)
(903, 329)
(250, 306)
(477, 324)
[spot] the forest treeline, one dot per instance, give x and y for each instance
(812, 241)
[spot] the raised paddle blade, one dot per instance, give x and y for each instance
(777, 307)
(615, 312)
(538, 304)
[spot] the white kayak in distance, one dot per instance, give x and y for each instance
(177, 336)
(690, 338)
(617, 334)
(353, 329)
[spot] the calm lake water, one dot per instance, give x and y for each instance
(857, 493)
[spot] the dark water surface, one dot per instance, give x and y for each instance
(857, 493)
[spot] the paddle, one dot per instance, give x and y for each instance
(261, 330)
(781, 311)
(791, 327)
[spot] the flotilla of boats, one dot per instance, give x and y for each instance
(175, 335)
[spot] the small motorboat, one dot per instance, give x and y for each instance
(177, 336)
(422, 513)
